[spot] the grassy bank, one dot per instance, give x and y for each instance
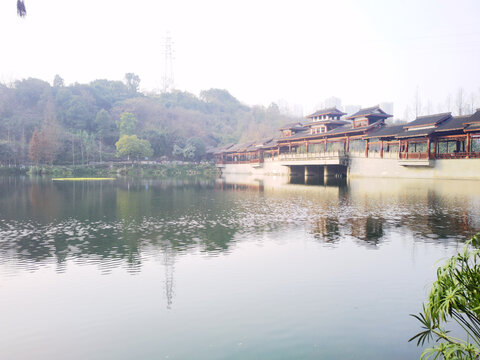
(112, 170)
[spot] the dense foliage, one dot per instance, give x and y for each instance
(454, 297)
(79, 123)
(132, 147)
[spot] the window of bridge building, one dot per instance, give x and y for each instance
(318, 130)
(360, 122)
(451, 146)
(475, 144)
(388, 147)
(336, 146)
(302, 149)
(315, 148)
(356, 145)
(420, 147)
(375, 147)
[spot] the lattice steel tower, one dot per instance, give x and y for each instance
(167, 81)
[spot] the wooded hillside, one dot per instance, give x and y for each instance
(60, 124)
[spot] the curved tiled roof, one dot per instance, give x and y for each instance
(328, 111)
(428, 120)
(415, 133)
(327, 122)
(337, 131)
(475, 118)
(455, 123)
(292, 126)
(372, 111)
(386, 131)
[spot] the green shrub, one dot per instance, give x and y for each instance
(454, 297)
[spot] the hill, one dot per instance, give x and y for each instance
(78, 123)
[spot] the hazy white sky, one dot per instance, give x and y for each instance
(364, 52)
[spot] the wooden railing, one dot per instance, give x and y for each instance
(414, 156)
(456, 155)
(390, 154)
(343, 154)
(424, 156)
(312, 156)
(251, 161)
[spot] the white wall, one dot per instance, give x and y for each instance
(389, 168)
(378, 168)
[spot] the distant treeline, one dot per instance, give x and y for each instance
(82, 123)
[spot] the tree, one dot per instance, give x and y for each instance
(21, 11)
(454, 297)
(127, 124)
(195, 148)
(79, 113)
(162, 141)
(32, 92)
(189, 152)
(417, 103)
(34, 148)
(58, 81)
(460, 101)
(177, 151)
(103, 124)
(107, 92)
(87, 146)
(50, 134)
(6, 152)
(133, 82)
(133, 147)
(273, 110)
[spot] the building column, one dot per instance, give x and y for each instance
(428, 148)
(468, 145)
(366, 148)
(381, 149)
(313, 171)
(326, 173)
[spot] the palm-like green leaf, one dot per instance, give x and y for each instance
(454, 296)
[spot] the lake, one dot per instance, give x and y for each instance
(235, 268)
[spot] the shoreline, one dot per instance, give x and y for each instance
(113, 170)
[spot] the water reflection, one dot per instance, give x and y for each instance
(123, 222)
(326, 229)
(279, 267)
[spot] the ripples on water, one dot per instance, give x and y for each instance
(257, 269)
(126, 223)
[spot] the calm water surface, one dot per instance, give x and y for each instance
(227, 269)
